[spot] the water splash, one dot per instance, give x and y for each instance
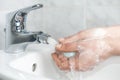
(72, 74)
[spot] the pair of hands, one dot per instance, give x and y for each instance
(91, 47)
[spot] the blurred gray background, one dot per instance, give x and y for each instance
(61, 18)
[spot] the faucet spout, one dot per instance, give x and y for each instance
(17, 37)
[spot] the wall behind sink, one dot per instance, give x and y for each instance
(61, 18)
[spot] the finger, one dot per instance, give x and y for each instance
(78, 36)
(69, 39)
(67, 47)
(72, 63)
(62, 57)
(62, 65)
(65, 65)
(77, 62)
(56, 59)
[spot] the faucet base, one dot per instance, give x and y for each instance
(16, 48)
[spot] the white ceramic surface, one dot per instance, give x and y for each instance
(33, 64)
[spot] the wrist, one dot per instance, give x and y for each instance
(115, 45)
(112, 38)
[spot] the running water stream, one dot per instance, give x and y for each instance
(72, 74)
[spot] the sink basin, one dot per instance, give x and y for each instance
(33, 64)
(36, 64)
(30, 63)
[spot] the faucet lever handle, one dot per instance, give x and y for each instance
(19, 19)
(28, 9)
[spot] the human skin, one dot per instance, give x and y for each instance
(91, 46)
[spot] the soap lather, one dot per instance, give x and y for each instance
(69, 54)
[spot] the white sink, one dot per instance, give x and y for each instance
(30, 63)
(36, 64)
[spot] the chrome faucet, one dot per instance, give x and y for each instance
(17, 37)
